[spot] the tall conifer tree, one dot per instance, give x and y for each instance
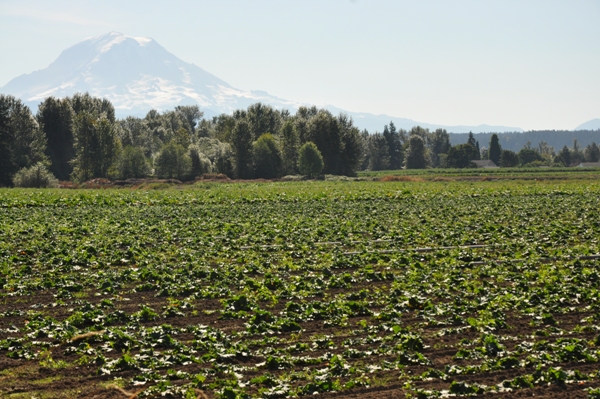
(495, 149)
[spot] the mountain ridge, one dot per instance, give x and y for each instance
(593, 124)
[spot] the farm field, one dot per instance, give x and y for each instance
(275, 290)
(532, 173)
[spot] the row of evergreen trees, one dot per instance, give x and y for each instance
(420, 148)
(79, 138)
(394, 149)
(542, 155)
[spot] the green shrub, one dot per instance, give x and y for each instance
(266, 157)
(508, 159)
(132, 163)
(35, 176)
(310, 160)
(528, 156)
(415, 153)
(461, 156)
(173, 162)
(201, 164)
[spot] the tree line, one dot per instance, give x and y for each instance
(420, 148)
(79, 138)
(540, 155)
(515, 141)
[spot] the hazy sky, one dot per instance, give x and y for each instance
(533, 64)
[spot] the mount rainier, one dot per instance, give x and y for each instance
(137, 74)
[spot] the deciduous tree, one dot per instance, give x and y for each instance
(191, 114)
(201, 164)
(592, 153)
(22, 142)
(263, 119)
(508, 159)
(528, 155)
(289, 148)
(461, 156)
(379, 156)
(241, 140)
(439, 143)
(6, 164)
(310, 161)
(96, 146)
(351, 151)
(564, 156)
(131, 163)
(324, 132)
(55, 117)
(415, 154)
(172, 162)
(84, 102)
(266, 157)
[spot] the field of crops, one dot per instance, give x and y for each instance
(493, 173)
(275, 290)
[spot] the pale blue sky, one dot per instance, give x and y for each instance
(533, 64)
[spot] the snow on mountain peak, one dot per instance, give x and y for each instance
(107, 41)
(105, 46)
(143, 40)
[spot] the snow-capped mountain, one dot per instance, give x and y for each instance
(137, 74)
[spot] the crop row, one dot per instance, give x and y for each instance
(243, 295)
